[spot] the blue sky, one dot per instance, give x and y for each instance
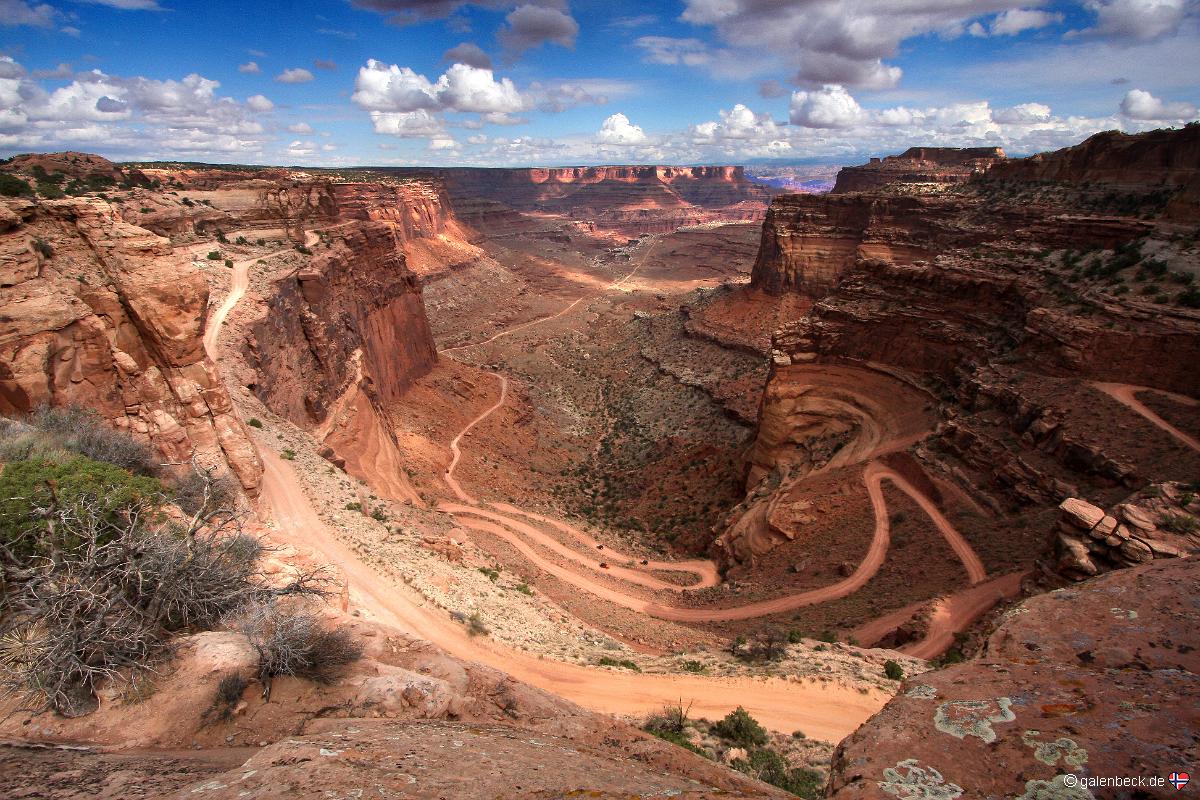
(519, 82)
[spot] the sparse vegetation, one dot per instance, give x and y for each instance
(214, 255)
(741, 729)
(291, 640)
(623, 663)
(288, 454)
(254, 422)
(96, 577)
(893, 671)
(226, 698)
(1180, 523)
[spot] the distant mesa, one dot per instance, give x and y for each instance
(944, 165)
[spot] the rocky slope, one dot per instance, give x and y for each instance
(104, 314)
(919, 165)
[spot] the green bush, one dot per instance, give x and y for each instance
(12, 186)
(82, 486)
(43, 248)
(741, 729)
(1180, 523)
(254, 422)
(893, 671)
(229, 263)
(288, 454)
(623, 663)
(770, 767)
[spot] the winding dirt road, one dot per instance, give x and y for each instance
(1127, 394)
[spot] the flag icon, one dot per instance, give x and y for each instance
(1179, 779)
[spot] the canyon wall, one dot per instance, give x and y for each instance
(1161, 158)
(353, 313)
(103, 314)
(630, 199)
(919, 165)
(984, 301)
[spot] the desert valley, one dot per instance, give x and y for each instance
(613, 481)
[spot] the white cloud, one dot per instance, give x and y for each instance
(18, 12)
(1023, 114)
(407, 124)
(1140, 20)
(302, 128)
(127, 5)
(250, 67)
(1017, 20)
(618, 130)
(294, 75)
(1142, 105)
(556, 96)
(828, 107)
(845, 43)
(258, 102)
(383, 89)
(468, 53)
(115, 114)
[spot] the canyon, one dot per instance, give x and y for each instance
(593, 441)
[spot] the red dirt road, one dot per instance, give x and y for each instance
(1127, 394)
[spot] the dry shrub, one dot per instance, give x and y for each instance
(291, 640)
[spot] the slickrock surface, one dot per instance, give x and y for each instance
(1095, 680)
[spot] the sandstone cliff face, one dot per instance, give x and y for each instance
(919, 165)
(1096, 680)
(629, 199)
(103, 314)
(1158, 158)
(353, 313)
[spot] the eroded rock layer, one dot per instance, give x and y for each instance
(104, 314)
(919, 165)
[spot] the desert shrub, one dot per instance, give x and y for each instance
(1180, 523)
(83, 431)
(623, 663)
(693, 666)
(288, 454)
(240, 240)
(671, 725)
(226, 698)
(290, 640)
(379, 514)
(476, 626)
(12, 186)
(43, 248)
(214, 255)
(741, 729)
(493, 575)
(770, 767)
(893, 671)
(303, 250)
(31, 491)
(229, 263)
(524, 588)
(254, 422)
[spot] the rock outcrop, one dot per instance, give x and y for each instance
(1095, 681)
(353, 313)
(1159, 523)
(103, 314)
(1162, 158)
(919, 165)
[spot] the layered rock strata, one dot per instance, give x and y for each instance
(104, 314)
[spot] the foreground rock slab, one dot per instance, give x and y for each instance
(1097, 680)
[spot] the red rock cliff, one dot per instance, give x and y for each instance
(105, 315)
(918, 165)
(355, 306)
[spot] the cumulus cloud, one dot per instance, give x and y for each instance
(133, 115)
(530, 26)
(1138, 20)
(302, 128)
(294, 75)
(828, 107)
(408, 124)
(1023, 114)
(743, 132)
(395, 89)
(250, 67)
(1141, 105)
(18, 12)
(468, 53)
(618, 130)
(259, 103)
(849, 43)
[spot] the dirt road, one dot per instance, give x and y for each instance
(825, 711)
(1127, 394)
